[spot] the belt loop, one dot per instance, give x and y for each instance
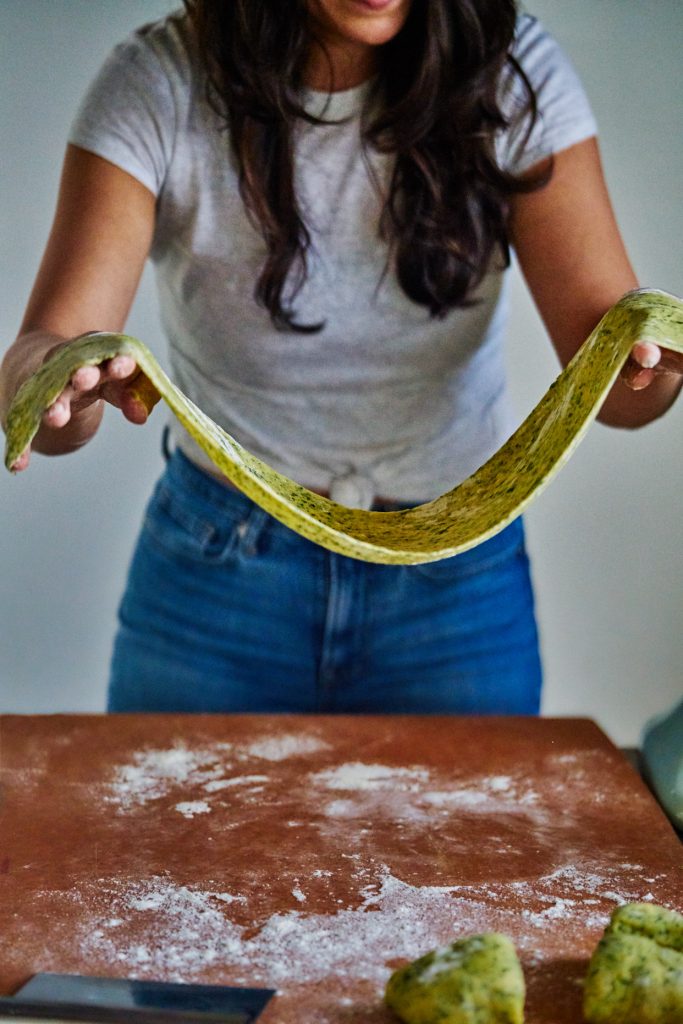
(165, 446)
(250, 529)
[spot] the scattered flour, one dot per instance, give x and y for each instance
(457, 798)
(153, 774)
(575, 877)
(560, 908)
(152, 901)
(227, 897)
(500, 783)
(157, 928)
(359, 776)
(411, 796)
(216, 785)
(187, 931)
(341, 809)
(189, 808)
(280, 748)
(176, 931)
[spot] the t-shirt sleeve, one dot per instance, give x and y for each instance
(564, 116)
(127, 115)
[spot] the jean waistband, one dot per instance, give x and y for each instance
(225, 498)
(188, 470)
(187, 476)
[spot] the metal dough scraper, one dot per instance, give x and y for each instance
(63, 998)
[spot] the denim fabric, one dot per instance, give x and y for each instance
(226, 610)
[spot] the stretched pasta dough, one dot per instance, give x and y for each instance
(473, 511)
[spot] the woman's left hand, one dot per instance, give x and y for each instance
(648, 361)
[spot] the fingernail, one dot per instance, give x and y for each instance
(648, 355)
(121, 366)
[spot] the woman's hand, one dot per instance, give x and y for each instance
(647, 362)
(80, 405)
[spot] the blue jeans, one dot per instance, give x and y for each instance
(226, 610)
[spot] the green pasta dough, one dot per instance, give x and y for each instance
(477, 980)
(472, 512)
(635, 975)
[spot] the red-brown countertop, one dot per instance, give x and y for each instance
(312, 854)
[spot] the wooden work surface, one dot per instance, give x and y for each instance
(313, 854)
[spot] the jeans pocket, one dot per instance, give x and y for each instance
(191, 530)
(490, 554)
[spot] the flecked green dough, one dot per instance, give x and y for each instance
(477, 980)
(472, 512)
(636, 973)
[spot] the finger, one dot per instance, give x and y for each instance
(133, 408)
(135, 396)
(142, 389)
(86, 378)
(59, 413)
(646, 354)
(636, 378)
(112, 391)
(21, 463)
(120, 367)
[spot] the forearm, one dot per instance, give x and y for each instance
(575, 263)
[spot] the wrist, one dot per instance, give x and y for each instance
(21, 360)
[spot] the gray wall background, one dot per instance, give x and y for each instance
(606, 537)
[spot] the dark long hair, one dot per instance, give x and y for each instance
(444, 217)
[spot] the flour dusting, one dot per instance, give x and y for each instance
(280, 748)
(358, 776)
(179, 930)
(189, 808)
(216, 785)
(258, 862)
(155, 773)
(416, 797)
(175, 931)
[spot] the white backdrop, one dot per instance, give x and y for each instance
(606, 538)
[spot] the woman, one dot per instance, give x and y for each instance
(337, 306)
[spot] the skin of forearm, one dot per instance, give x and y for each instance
(21, 360)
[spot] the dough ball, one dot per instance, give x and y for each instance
(477, 980)
(635, 975)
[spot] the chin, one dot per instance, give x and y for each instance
(369, 22)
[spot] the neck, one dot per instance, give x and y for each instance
(336, 68)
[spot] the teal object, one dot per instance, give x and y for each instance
(663, 762)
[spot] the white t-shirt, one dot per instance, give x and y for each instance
(385, 400)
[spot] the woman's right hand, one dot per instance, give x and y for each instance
(74, 416)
